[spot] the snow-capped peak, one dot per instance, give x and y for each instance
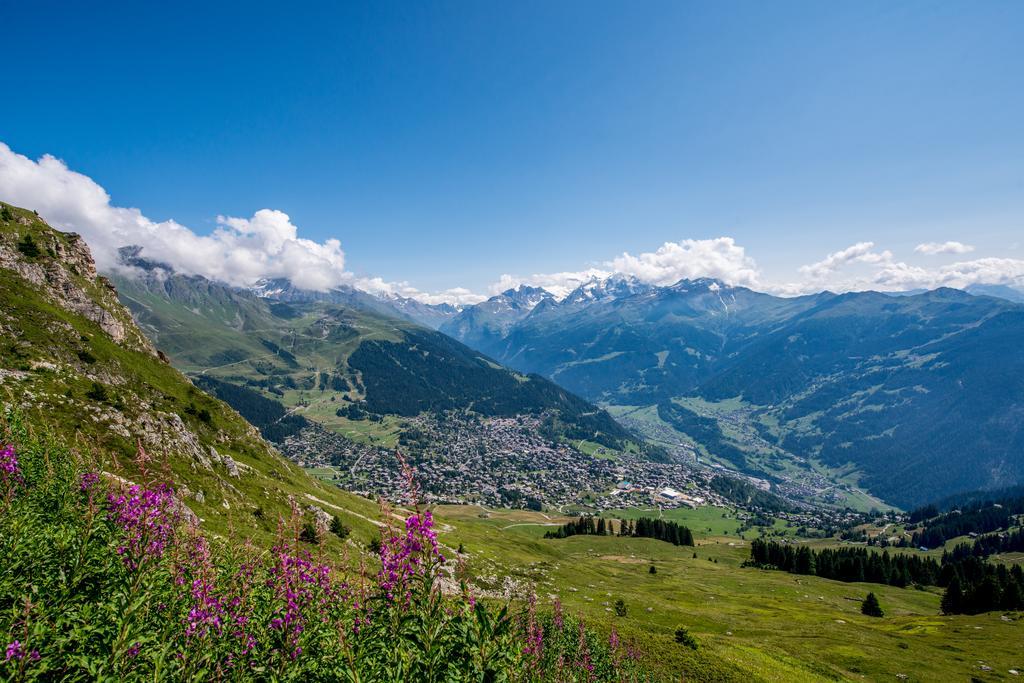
(614, 286)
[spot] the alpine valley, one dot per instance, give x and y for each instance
(314, 420)
(912, 397)
(504, 342)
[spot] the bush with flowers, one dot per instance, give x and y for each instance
(102, 579)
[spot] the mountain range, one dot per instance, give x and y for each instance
(336, 353)
(915, 396)
(911, 397)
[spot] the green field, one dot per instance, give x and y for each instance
(752, 624)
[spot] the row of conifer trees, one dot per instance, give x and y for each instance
(644, 527)
(972, 585)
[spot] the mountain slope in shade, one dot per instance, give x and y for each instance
(921, 394)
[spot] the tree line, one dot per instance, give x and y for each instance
(953, 524)
(972, 585)
(267, 415)
(429, 371)
(845, 564)
(992, 544)
(644, 527)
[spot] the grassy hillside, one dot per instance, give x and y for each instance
(751, 624)
(73, 362)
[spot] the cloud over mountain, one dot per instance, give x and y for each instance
(862, 252)
(883, 272)
(267, 244)
(239, 251)
(719, 258)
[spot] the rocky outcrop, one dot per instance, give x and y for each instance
(65, 272)
(168, 432)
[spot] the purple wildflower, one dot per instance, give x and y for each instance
(148, 518)
(10, 471)
(583, 660)
(405, 557)
(15, 651)
(88, 480)
(300, 585)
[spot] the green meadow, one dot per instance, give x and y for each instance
(751, 624)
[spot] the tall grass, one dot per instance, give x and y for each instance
(103, 579)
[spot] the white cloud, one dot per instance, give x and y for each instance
(862, 252)
(993, 271)
(457, 296)
(934, 248)
(239, 252)
(719, 258)
(887, 274)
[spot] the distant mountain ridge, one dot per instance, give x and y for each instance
(282, 289)
(345, 344)
(428, 315)
(923, 394)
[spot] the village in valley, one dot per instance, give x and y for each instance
(464, 459)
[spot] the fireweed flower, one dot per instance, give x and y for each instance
(147, 518)
(299, 586)
(405, 557)
(583, 661)
(88, 480)
(15, 651)
(533, 648)
(10, 471)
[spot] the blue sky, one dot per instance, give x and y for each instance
(446, 144)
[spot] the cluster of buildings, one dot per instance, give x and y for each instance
(460, 458)
(500, 461)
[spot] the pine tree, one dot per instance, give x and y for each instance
(27, 246)
(870, 606)
(1013, 598)
(987, 596)
(339, 529)
(683, 637)
(953, 598)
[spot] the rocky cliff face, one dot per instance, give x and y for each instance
(61, 266)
